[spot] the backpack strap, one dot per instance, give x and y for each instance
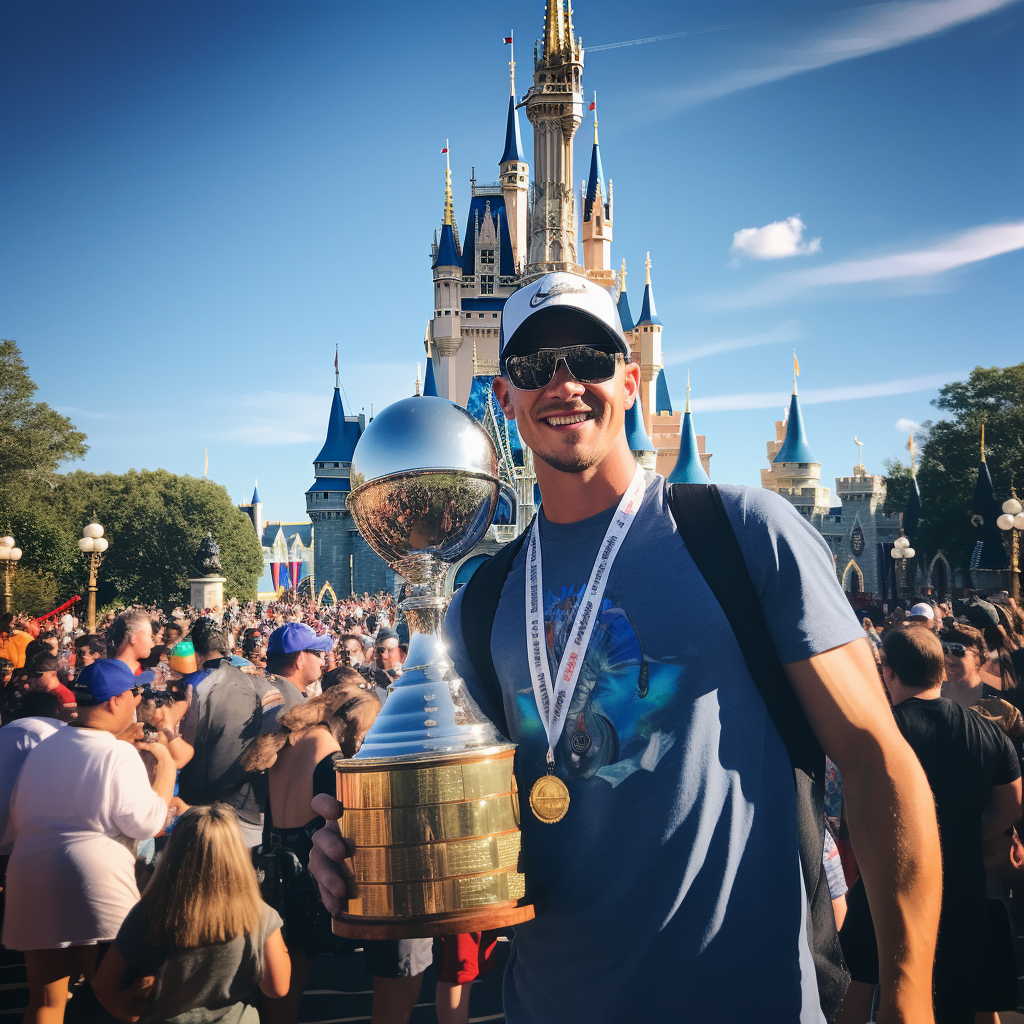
(711, 541)
(479, 607)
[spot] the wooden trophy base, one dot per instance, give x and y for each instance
(502, 915)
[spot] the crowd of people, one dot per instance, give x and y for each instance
(231, 724)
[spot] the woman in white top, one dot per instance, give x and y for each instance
(81, 799)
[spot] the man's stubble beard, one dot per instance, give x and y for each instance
(576, 461)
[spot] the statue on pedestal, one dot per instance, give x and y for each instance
(207, 560)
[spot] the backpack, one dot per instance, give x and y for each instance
(704, 526)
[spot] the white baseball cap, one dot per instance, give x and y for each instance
(531, 314)
(923, 610)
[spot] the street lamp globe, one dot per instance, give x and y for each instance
(909, 553)
(1012, 507)
(1005, 521)
(93, 530)
(85, 544)
(14, 554)
(6, 542)
(1018, 521)
(100, 544)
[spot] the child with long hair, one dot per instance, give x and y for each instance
(201, 939)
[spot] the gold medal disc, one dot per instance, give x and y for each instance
(549, 799)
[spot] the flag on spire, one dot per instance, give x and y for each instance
(507, 40)
(796, 365)
(443, 151)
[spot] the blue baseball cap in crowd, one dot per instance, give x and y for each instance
(297, 636)
(102, 680)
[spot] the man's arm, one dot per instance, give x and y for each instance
(1003, 810)
(892, 819)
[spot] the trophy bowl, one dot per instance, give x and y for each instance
(430, 799)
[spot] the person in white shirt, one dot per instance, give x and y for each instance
(83, 796)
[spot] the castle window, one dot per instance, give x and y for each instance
(325, 495)
(494, 316)
(487, 256)
(486, 284)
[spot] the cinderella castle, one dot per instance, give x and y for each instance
(518, 227)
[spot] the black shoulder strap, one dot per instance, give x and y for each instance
(711, 541)
(479, 607)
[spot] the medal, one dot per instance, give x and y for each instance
(549, 796)
(549, 799)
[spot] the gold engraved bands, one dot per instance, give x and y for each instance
(437, 860)
(411, 788)
(439, 896)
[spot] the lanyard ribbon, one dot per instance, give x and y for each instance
(554, 695)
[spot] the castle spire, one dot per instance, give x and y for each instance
(449, 206)
(337, 375)
(554, 28)
(688, 468)
(625, 316)
(649, 313)
(795, 448)
(636, 434)
(595, 187)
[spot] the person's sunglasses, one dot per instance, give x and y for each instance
(319, 654)
(535, 370)
(138, 691)
(957, 650)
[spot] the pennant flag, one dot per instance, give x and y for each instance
(506, 39)
(796, 365)
(445, 150)
(335, 360)
(593, 106)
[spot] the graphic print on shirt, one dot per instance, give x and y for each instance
(612, 728)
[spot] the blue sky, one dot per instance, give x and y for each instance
(199, 200)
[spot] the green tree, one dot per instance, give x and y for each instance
(897, 486)
(993, 396)
(33, 437)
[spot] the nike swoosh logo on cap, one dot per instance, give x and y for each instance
(559, 288)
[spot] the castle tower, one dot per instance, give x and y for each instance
(554, 106)
(689, 467)
(597, 219)
(446, 325)
(515, 175)
(340, 555)
(794, 472)
(257, 509)
(639, 443)
(647, 352)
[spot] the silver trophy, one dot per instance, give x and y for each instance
(430, 798)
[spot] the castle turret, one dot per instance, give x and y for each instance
(794, 472)
(597, 219)
(639, 443)
(257, 509)
(341, 556)
(554, 106)
(622, 305)
(515, 175)
(446, 325)
(647, 351)
(688, 469)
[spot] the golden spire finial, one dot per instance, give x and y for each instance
(417, 391)
(554, 28)
(687, 390)
(860, 451)
(983, 442)
(449, 206)
(622, 276)
(910, 446)
(595, 118)
(647, 264)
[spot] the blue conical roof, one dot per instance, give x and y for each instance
(448, 254)
(341, 434)
(636, 435)
(596, 179)
(513, 140)
(625, 316)
(429, 384)
(255, 494)
(662, 399)
(795, 448)
(688, 469)
(648, 315)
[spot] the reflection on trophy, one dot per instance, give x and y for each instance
(430, 799)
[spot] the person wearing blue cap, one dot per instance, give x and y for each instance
(296, 654)
(81, 793)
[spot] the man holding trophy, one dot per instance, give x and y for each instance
(661, 824)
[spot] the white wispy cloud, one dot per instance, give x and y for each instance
(960, 250)
(775, 241)
(906, 426)
(817, 396)
(787, 331)
(851, 34)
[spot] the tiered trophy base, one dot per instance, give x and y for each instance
(437, 845)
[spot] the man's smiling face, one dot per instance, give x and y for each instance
(570, 425)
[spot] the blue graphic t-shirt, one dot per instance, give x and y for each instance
(672, 888)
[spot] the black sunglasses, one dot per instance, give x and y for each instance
(535, 370)
(319, 654)
(957, 650)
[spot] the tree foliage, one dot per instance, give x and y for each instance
(154, 520)
(948, 470)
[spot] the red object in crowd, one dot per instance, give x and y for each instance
(57, 611)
